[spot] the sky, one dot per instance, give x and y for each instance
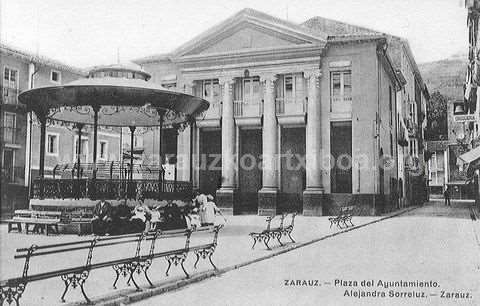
(93, 32)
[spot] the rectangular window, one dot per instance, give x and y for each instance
(10, 85)
(341, 91)
(210, 90)
(55, 76)
(52, 144)
(9, 128)
(103, 150)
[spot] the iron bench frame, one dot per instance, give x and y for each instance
(11, 290)
(275, 233)
(345, 214)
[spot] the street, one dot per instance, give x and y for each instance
(429, 256)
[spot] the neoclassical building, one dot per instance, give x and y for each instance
(302, 116)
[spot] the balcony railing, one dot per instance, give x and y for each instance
(247, 108)
(290, 106)
(213, 112)
(9, 95)
(341, 104)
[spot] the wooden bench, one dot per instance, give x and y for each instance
(275, 232)
(35, 221)
(344, 215)
(12, 289)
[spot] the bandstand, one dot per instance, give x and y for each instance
(116, 96)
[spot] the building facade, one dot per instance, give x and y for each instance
(22, 71)
(302, 116)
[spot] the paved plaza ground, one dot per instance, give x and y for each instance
(432, 243)
(234, 248)
(429, 243)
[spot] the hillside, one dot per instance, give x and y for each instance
(446, 76)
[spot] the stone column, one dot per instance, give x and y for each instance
(41, 169)
(267, 196)
(226, 193)
(313, 194)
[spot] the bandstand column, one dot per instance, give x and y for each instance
(267, 196)
(313, 194)
(131, 187)
(41, 170)
(93, 186)
(226, 193)
(79, 149)
(160, 158)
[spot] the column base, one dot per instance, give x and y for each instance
(267, 201)
(313, 202)
(226, 198)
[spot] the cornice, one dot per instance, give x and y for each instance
(287, 51)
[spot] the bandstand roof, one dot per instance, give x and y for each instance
(121, 102)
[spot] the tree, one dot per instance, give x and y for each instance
(437, 127)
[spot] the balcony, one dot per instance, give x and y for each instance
(248, 112)
(211, 117)
(341, 105)
(291, 110)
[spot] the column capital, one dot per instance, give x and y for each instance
(226, 80)
(189, 82)
(268, 77)
(314, 72)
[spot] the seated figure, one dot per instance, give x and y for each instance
(141, 217)
(173, 217)
(102, 218)
(121, 219)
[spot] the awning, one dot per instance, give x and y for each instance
(469, 157)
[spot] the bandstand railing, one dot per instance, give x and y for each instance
(84, 188)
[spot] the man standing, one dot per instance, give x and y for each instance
(446, 194)
(102, 218)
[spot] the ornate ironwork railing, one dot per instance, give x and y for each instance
(109, 189)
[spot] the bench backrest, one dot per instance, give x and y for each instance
(96, 242)
(346, 209)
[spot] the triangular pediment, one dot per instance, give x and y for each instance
(246, 30)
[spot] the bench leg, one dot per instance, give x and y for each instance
(289, 233)
(145, 266)
(211, 262)
(204, 253)
(279, 235)
(131, 278)
(75, 280)
(12, 294)
(254, 241)
(266, 240)
(177, 259)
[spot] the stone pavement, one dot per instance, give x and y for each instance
(432, 243)
(234, 249)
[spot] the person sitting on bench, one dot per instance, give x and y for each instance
(141, 217)
(102, 218)
(173, 217)
(121, 218)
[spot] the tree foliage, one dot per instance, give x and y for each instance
(437, 127)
